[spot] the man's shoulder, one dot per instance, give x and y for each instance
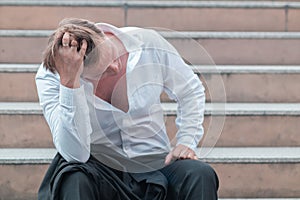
(140, 30)
(150, 38)
(43, 73)
(145, 35)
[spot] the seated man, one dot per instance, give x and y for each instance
(100, 87)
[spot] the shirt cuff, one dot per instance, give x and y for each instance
(188, 141)
(71, 96)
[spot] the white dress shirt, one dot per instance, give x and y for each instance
(78, 119)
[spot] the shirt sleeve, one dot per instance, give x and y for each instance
(184, 86)
(67, 114)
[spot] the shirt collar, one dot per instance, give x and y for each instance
(124, 34)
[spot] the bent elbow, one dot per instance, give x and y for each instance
(81, 155)
(72, 148)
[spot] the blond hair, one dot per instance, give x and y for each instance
(82, 30)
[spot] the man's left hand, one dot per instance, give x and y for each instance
(180, 152)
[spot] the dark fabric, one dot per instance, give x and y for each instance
(102, 182)
(182, 179)
(191, 180)
(138, 164)
(77, 185)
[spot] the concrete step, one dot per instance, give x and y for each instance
(243, 172)
(242, 83)
(249, 83)
(228, 125)
(17, 82)
(237, 48)
(194, 15)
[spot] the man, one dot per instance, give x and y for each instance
(99, 87)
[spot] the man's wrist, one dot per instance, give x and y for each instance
(70, 83)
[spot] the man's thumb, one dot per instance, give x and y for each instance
(168, 158)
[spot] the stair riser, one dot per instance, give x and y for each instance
(24, 131)
(258, 180)
(229, 51)
(22, 50)
(247, 131)
(21, 181)
(261, 87)
(236, 180)
(20, 131)
(209, 19)
(25, 17)
(16, 87)
(239, 51)
(248, 87)
(197, 19)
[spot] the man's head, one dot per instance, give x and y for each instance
(79, 30)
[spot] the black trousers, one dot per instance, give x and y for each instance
(182, 179)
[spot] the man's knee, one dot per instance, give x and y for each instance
(195, 172)
(203, 171)
(200, 168)
(192, 179)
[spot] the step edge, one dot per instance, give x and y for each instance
(175, 34)
(158, 4)
(289, 155)
(215, 109)
(199, 69)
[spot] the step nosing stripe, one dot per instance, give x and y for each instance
(198, 69)
(214, 109)
(157, 4)
(175, 34)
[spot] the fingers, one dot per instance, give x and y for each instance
(192, 155)
(83, 48)
(74, 45)
(66, 39)
(169, 158)
(180, 152)
(188, 154)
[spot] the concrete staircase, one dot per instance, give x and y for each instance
(255, 46)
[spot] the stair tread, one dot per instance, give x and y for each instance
(251, 154)
(170, 108)
(212, 155)
(176, 34)
(157, 4)
(244, 108)
(238, 69)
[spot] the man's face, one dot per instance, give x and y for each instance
(103, 56)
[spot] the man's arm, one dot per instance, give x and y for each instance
(185, 87)
(64, 104)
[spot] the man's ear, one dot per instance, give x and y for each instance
(113, 69)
